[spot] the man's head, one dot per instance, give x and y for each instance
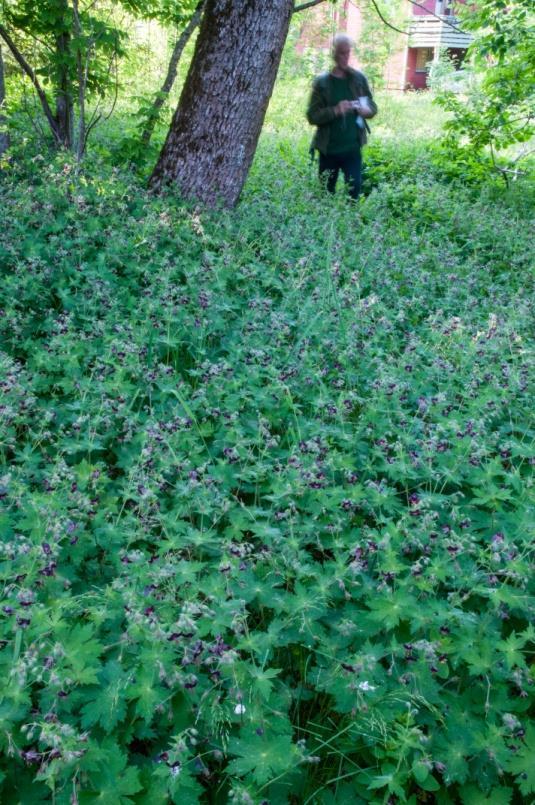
(342, 44)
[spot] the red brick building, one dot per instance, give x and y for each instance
(432, 28)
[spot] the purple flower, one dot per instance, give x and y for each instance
(231, 454)
(30, 756)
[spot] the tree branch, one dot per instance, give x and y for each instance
(167, 85)
(114, 63)
(33, 116)
(95, 119)
(19, 58)
(4, 136)
(431, 14)
(312, 3)
(304, 6)
(385, 22)
(96, 115)
(523, 155)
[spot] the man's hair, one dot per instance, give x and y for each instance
(341, 39)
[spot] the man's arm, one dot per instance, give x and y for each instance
(371, 103)
(318, 112)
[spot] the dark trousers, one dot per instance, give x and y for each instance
(351, 166)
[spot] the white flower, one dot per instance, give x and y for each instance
(239, 709)
(366, 685)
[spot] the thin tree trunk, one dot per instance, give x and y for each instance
(4, 136)
(27, 69)
(214, 132)
(167, 85)
(82, 82)
(64, 99)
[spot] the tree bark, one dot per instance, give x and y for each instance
(4, 137)
(167, 85)
(82, 71)
(214, 132)
(64, 99)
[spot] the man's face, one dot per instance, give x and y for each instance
(341, 56)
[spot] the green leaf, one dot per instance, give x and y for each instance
(107, 705)
(262, 683)
(114, 782)
(263, 756)
(471, 795)
(522, 765)
(512, 650)
(147, 692)
(391, 607)
(81, 651)
(453, 757)
(430, 784)
(420, 771)
(380, 781)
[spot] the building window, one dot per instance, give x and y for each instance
(423, 57)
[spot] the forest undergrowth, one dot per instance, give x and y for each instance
(266, 486)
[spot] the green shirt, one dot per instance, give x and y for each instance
(343, 137)
(320, 110)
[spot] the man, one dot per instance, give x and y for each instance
(340, 103)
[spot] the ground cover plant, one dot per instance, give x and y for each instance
(266, 488)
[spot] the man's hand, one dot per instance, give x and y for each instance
(342, 108)
(362, 107)
(363, 111)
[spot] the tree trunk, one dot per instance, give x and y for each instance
(214, 132)
(167, 85)
(82, 70)
(4, 137)
(64, 100)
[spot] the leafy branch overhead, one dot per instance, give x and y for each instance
(67, 52)
(498, 111)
